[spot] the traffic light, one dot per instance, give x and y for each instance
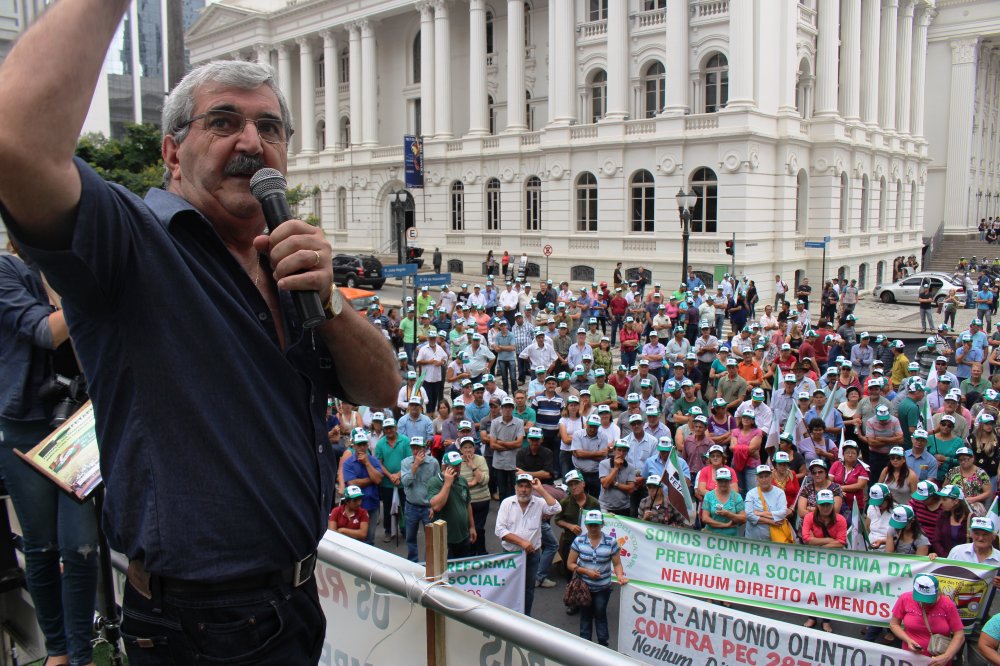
(730, 249)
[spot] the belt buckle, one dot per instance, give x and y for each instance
(303, 569)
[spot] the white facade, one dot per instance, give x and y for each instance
(963, 61)
(531, 110)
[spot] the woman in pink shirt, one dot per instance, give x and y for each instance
(825, 528)
(924, 606)
(745, 443)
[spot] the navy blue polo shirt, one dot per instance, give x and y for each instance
(213, 445)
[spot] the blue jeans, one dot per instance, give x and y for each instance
(720, 321)
(596, 614)
(748, 480)
(372, 525)
(530, 574)
(549, 548)
(628, 357)
(415, 516)
(616, 325)
(54, 527)
(507, 374)
(273, 625)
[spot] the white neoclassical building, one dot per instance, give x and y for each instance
(573, 123)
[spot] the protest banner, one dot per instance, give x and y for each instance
(69, 457)
(845, 585)
(657, 627)
(496, 578)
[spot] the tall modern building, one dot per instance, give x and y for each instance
(15, 17)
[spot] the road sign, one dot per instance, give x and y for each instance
(433, 279)
(547, 250)
(399, 270)
(411, 233)
(816, 244)
(826, 239)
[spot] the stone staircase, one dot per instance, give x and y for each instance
(952, 249)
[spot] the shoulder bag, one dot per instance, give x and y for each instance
(781, 533)
(939, 642)
(577, 593)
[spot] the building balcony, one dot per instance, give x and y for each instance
(807, 17)
(595, 31)
(652, 21)
(704, 12)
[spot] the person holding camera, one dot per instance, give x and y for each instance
(54, 527)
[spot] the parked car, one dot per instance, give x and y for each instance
(353, 270)
(907, 289)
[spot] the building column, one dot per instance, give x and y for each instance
(369, 87)
(850, 60)
(516, 119)
(618, 78)
(479, 113)
(870, 15)
(331, 89)
(442, 69)
(741, 61)
(962, 97)
(904, 55)
(427, 88)
(826, 57)
(564, 88)
(307, 96)
(262, 54)
(355, 84)
(789, 62)
(285, 79)
(677, 58)
(887, 66)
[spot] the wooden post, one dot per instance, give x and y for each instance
(436, 545)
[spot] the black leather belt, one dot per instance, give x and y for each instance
(295, 575)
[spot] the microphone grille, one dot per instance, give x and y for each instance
(267, 181)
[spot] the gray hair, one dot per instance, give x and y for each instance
(178, 108)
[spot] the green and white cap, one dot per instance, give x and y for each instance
(926, 589)
(878, 493)
(593, 518)
(573, 475)
(982, 523)
(352, 492)
(952, 492)
(924, 490)
(453, 458)
(900, 517)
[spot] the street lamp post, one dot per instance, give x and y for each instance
(685, 201)
(398, 202)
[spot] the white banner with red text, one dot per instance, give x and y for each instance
(846, 585)
(657, 627)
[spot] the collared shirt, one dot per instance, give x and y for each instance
(432, 373)
(478, 359)
(540, 356)
(133, 265)
(411, 427)
(613, 499)
(507, 431)
(506, 340)
(355, 470)
(415, 481)
(640, 449)
(527, 523)
(925, 466)
(654, 465)
(966, 552)
(548, 410)
(583, 442)
(576, 353)
(524, 336)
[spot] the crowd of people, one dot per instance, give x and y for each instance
(782, 421)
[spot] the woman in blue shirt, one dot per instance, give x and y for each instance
(723, 510)
(592, 557)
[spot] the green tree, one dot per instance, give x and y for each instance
(133, 161)
(296, 195)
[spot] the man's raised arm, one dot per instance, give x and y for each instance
(46, 85)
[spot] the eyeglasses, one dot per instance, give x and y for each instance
(227, 123)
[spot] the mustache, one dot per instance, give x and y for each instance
(244, 165)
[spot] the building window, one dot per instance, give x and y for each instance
(913, 204)
(457, 206)
(899, 204)
(529, 112)
(705, 214)
(345, 131)
(654, 86)
(342, 209)
(803, 89)
(415, 71)
(879, 273)
(716, 83)
(862, 276)
(598, 95)
(320, 72)
(883, 204)
(417, 121)
(586, 202)
(643, 194)
(865, 205)
(845, 202)
(493, 204)
(801, 201)
(650, 5)
(598, 10)
(533, 204)
(489, 32)
(491, 105)
(321, 134)
(345, 65)
(317, 203)
(527, 24)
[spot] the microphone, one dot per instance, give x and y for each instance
(268, 186)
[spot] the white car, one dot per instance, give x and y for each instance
(907, 289)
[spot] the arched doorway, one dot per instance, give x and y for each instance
(398, 210)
